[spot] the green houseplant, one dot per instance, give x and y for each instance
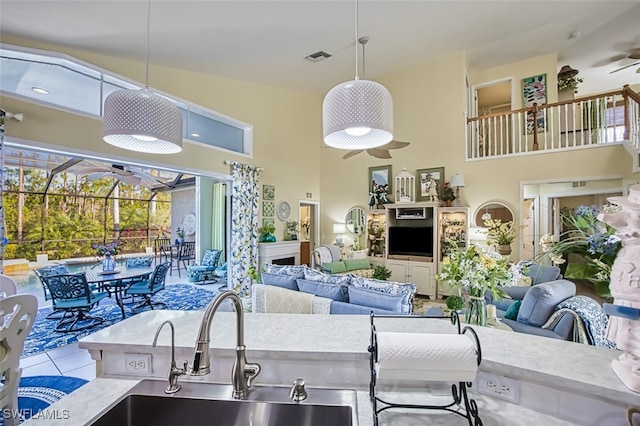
(266, 233)
(381, 273)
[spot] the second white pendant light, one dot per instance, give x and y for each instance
(357, 114)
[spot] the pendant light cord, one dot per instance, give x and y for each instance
(146, 80)
(357, 77)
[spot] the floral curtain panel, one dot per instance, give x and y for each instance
(245, 199)
(3, 239)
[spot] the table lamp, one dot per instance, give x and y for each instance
(339, 228)
(457, 181)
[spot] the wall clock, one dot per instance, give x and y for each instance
(284, 210)
(189, 224)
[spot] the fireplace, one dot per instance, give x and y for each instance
(279, 253)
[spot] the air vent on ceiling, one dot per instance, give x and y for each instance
(318, 56)
(579, 184)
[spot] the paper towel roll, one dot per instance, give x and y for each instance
(429, 357)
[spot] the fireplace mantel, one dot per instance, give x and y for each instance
(270, 252)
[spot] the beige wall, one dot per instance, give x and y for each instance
(430, 103)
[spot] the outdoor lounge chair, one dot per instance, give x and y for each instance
(70, 293)
(204, 271)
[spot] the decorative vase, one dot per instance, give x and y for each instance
(108, 263)
(268, 238)
(475, 311)
(504, 249)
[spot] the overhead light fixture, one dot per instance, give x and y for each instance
(140, 120)
(357, 114)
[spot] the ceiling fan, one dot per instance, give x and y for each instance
(379, 152)
(130, 176)
(634, 56)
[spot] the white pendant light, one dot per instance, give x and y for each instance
(140, 120)
(357, 114)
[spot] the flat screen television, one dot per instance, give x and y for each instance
(414, 241)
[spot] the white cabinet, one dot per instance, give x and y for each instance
(419, 273)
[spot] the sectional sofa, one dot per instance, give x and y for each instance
(300, 289)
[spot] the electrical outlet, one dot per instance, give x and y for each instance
(498, 386)
(137, 363)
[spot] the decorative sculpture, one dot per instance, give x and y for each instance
(624, 321)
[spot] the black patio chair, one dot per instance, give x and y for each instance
(150, 287)
(185, 253)
(161, 250)
(70, 293)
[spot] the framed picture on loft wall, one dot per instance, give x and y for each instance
(380, 180)
(534, 91)
(430, 184)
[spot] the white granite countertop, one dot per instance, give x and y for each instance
(575, 368)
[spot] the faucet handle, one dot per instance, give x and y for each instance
(298, 392)
(251, 371)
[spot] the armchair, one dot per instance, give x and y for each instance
(325, 254)
(150, 287)
(205, 270)
(71, 294)
(46, 271)
(184, 253)
(537, 307)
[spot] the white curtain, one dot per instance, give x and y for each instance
(245, 198)
(218, 219)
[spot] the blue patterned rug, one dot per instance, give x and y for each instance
(38, 392)
(43, 337)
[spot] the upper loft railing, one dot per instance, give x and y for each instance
(590, 121)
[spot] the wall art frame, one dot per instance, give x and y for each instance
(380, 176)
(423, 183)
(534, 90)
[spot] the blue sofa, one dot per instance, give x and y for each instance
(347, 294)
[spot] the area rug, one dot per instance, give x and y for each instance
(421, 304)
(43, 337)
(36, 393)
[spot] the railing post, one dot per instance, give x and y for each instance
(625, 97)
(535, 127)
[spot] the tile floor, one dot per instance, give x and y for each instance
(69, 360)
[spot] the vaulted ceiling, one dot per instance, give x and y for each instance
(266, 41)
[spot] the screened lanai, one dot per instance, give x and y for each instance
(59, 205)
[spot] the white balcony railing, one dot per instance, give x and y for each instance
(584, 122)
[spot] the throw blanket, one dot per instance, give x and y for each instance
(593, 317)
(324, 255)
(319, 305)
(284, 301)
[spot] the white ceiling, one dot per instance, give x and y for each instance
(265, 41)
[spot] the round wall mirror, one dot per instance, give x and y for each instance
(355, 221)
(492, 210)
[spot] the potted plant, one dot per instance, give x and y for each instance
(266, 233)
(381, 273)
(181, 234)
(448, 195)
(291, 232)
(502, 234)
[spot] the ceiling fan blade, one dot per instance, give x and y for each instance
(396, 145)
(131, 180)
(379, 153)
(634, 56)
(625, 67)
(98, 175)
(121, 172)
(351, 153)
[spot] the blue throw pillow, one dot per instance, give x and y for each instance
(512, 312)
(375, 299)
(405, 290)
(294, 270)
(333, 291)
(280, 280)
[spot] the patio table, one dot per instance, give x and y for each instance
(115, 282)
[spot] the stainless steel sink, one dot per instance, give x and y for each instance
(206, 403)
